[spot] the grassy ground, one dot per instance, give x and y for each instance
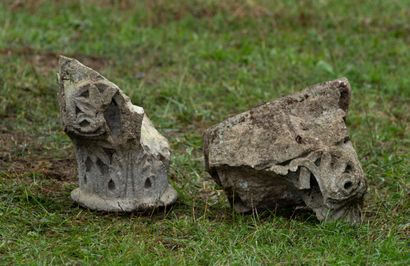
(190, 64)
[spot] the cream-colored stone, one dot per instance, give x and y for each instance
(291, 152)
(122, 159)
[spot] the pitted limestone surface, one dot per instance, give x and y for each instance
(122, 159)
(290, 152)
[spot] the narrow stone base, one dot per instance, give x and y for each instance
(97, 203)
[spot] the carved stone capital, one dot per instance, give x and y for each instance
(122, 159)
(291, 152)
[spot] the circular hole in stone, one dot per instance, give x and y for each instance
(148, 183)
(111, 185)
(348, 185)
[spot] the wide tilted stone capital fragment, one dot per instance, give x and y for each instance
(291, 152)
(122, 159)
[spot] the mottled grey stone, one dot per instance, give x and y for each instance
(291, 152)
(122, 159)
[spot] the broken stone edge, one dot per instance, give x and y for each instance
(340, 84)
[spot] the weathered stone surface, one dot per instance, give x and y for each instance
(122, 159)
(291, 152)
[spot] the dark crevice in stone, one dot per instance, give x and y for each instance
(85, 94)
(88, 164)
(314, 186)
(112, 115)
(102, 166)
(147, 183)
(348, 169)
(318, 161)
(287, 162)
(109, 152)
(77, 110)
(344, 97)
(111, 185)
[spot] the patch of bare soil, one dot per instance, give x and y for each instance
(160, 12)
(60, 169)
(19, 155)
(33, 5)
(46, 61)
(15, 5)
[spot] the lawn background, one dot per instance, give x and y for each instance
(191, 64)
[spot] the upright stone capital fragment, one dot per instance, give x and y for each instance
(291, 152)
(122, 159)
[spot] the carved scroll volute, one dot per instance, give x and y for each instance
(333, 183)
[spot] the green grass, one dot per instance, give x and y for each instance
(190, 64)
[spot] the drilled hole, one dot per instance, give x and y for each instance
(348, 185)
(148, 183)
(111, 185)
